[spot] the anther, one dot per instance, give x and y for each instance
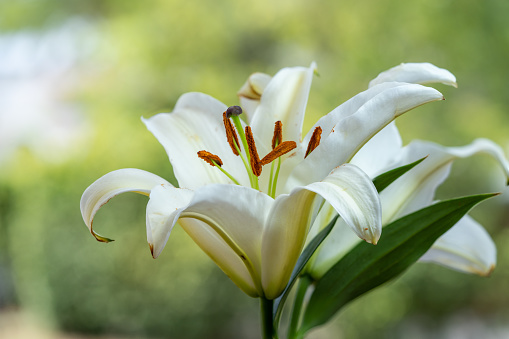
(256, 166)
(278, 134)
(210, 158)
(233, 110)
(231, 135)
(281, 149)
(314, 141)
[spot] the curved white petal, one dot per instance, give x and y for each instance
(349, 107)
(284, 99)
(111, 185)
(416, 188)
(466, 247)
(416, 73)
(163, 209)
(196, 124)
(225, 221)
(352, 194)
(347, 189)
(353, 131)
(251, 92)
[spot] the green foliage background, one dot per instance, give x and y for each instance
(153, 51)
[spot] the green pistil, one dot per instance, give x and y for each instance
(247, 163)
(273, 179)
(225, 173)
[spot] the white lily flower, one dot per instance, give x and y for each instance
(254, 223)
(466, 247)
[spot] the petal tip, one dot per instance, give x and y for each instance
(490, 270)
(101, 238)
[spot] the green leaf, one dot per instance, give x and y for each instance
(366, 266)
(301, 262)
(383, 180)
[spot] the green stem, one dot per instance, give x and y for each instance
(274, 183)
(226, 173)
(266, 318)
(238, 125)
(246, 165)
(304, 282)
(270, 180)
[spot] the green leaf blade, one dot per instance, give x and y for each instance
(366, 266)
(385, 179)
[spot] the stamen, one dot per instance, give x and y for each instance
(281, 149)
(231, 135)
(233, 110)
(210, 158)
(215, 161)
(256, 166)
(278, 134)
(314, 141)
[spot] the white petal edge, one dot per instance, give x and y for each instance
(225, 221)
(353, 131)
(196, 124)
(284, 99)
(416, 188)
(416, 73)
(466, 247)
(111, 185)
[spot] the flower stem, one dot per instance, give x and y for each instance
(266, 318)
(304, 282)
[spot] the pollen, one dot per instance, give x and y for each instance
(314, 141)
(281, 149)
(256, 165)
(278, 134)
(210, 158)
(231, 135)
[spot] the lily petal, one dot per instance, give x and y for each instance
(352, 194)
(416, 188)
(284, 99)
(347, 189)
(353, 131)
(251, 92)
(416, 73)
(194, 125)
(466, 247)
(285, 235)
(111, 185)
(225, 221)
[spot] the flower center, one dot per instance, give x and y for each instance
(251, 159)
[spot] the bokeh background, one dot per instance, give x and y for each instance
(75, 78)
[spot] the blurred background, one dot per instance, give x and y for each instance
(75, 78)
